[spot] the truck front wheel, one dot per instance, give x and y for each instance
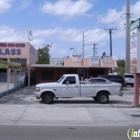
(47, 98)
(103, 98)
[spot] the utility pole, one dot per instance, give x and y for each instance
(110, 33)
(94, 48)
(83, 44)
(127, 51)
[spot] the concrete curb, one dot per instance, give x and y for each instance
(123, 106)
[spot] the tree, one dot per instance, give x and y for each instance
(121, 67)
(43, 54)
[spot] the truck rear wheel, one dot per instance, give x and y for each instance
(103, 98)
(47, 98)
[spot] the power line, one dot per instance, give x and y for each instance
(108, 3)
(103, 10)
(102, 49)
(115, 22)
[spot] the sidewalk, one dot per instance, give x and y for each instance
(22, 108)
(52, 115)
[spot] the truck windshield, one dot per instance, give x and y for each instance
(60, 79)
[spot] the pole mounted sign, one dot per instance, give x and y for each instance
(94, 60)
(135, 46)
(135, 57)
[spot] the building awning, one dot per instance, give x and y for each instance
(9, 65)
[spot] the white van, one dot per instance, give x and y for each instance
(129, 79)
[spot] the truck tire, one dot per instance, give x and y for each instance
(47, 98)
(102, 98)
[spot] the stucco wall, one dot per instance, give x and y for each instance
(18, 50)
(33, 55)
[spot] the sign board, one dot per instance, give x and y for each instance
(94, 60)
(11, 48)
(76, 58)
(135, 24)
(133, 50)
(107, 59)
(60, 62)
(135, 46)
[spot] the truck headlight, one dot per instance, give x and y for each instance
(37, 89)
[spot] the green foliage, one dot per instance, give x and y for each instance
(121, 63)
(121, 67)
(43, 54)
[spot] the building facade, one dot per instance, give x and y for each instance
(84, 67)
(16, 52)
(19, 52)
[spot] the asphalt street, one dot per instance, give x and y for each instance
(23, 132)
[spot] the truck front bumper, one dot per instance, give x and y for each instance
(37, 94)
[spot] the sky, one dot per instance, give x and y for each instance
(61, 23)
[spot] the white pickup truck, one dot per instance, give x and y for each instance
(69, 86)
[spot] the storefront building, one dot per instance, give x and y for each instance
(85, 68)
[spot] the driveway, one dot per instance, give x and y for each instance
(22, 108)
(26, 96)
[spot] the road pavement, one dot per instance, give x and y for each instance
(64, 132)
(22, 108)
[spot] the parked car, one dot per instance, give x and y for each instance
(129, 79)
(98, 80)
(114, 78)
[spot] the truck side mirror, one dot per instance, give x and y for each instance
(67, 82)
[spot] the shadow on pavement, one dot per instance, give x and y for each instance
(26, 96)
(60, 101)
(22, 96)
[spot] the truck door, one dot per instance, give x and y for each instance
(70, 87)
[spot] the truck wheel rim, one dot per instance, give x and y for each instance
(103, 99)
(47, 98)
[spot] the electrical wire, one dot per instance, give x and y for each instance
(105, 7)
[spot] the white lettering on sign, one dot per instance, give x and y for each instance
(18, 45)
(94, 60)
(76, 58)
(107, 59)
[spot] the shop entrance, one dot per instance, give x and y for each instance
(34, 77)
